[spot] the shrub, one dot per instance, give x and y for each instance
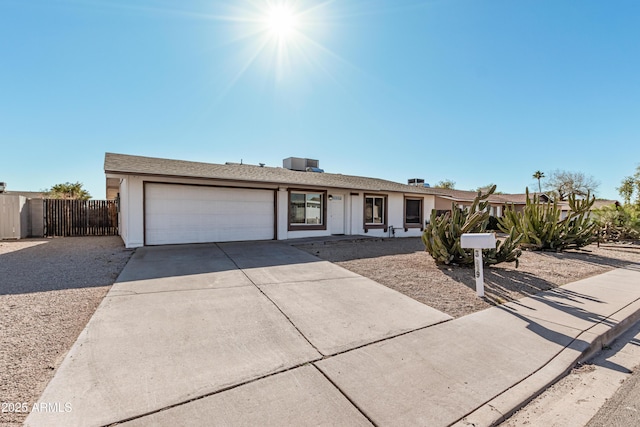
(617, 223)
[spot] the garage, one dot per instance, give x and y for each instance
(198, 214)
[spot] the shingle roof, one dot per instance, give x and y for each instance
(602, 203)
(153, 166)
(520, 198)
(138, 165)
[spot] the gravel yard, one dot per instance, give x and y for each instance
(49, 289)
(403, 265)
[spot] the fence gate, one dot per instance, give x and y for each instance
(80, 217)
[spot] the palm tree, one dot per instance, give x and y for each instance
(69, 191)
(539, 175)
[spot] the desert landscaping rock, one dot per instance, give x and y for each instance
(49, 289)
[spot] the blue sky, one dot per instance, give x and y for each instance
(468, 90)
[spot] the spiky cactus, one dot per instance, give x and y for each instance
(441, 237)
(542, 227)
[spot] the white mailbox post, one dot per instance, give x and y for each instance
(478, 242)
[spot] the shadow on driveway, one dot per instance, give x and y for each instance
(158, 262)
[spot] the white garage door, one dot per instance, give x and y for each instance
(196, 214)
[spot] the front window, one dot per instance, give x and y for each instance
(374, 210)
(413, 212)
(306, 208)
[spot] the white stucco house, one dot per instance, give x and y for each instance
(164, 201)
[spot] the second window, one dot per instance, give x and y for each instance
(374, 210)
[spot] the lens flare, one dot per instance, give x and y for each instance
(281, 20)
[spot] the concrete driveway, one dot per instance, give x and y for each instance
(184, 323)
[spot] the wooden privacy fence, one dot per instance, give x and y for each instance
(80, 217)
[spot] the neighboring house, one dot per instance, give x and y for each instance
(601, 203)
(499, 202)
(165, 201)
(464, 199)
(520, 200)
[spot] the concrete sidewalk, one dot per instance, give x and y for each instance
(266, 334)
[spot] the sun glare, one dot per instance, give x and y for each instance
(281, 20)
(283, 36)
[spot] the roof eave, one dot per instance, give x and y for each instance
(109, 172)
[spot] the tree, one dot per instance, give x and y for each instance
(562, 184)
(538, 175)
(629, 186)
(485, 189)
(636, 177)
(626, 189)
(68, 191)
(446, 183)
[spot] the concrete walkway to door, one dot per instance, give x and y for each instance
(186, 322)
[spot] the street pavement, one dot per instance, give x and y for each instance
(623, 408)
(601, 392)
(263, 333)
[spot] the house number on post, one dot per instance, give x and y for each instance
(478, 242)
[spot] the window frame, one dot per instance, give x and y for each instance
(419, 224)
(385, 212)
(299, 227)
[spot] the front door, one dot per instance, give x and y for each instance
(336, 213)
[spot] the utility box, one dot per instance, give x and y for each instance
(14, 217)
(299, 164)
(478, 241)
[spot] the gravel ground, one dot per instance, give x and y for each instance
(403, 265)
(49, 289)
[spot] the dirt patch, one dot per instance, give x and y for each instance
(49, 289)
(403, 265)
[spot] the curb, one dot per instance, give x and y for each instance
(582, 348)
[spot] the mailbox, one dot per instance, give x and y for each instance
(478, 240)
